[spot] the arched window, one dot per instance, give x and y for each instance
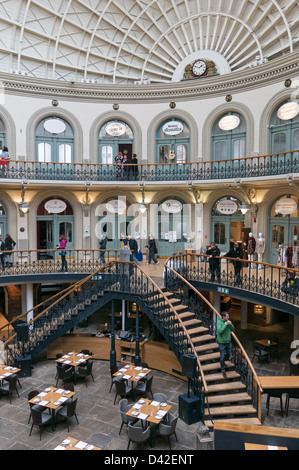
(229, 137)
(54, 141)
(3, 221)
(173, 142)
(114, 137)
(283, 225)
(284, 128)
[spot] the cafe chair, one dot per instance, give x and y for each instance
(124, 408)
(274, 395)
(9, 387)
(15, 364)
(40, 419)
(138, 434)
(274, 349)
(160, 397)
(64, 374)
(114, 369)
(71, 388)
(168, 429)
(143, 388)
(123, 390)
(143, 365)
(260, 353)
(67, 412)
(85, 371)
(31, 395)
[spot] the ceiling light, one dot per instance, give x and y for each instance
(142, 208)
(288, 111)
(228, 123)
(244, 208)
(24, 207)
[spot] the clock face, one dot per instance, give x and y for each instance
(199, 67)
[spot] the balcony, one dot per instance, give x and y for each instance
(274, 165)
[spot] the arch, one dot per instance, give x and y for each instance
(112, 116)
(276, 100)
(61, 113)
(164, 116)
(77, 214)
(10, 131)
(214, 115)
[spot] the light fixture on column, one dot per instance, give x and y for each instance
(142, 206)
(23, 206)
(244, 208)
(86, 204)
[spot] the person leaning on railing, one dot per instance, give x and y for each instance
(291, 284)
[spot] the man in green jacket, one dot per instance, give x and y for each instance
(224, 329)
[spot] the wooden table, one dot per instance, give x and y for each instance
(71, 443)
(52, 398)
(282, 383)
(7, 371)
(133, 373)
(147, 410)
(267, 345)
(73, 359)
(249, 446)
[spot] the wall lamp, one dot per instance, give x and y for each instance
(23, 206)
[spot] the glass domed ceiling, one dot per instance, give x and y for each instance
(151, 41)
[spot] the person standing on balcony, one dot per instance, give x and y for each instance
(152, 248)
(236, 252)
(2, 254)
(134, 167)
(62, 252)
(4, 161)
(214, 261)
(9, 246)
(224, 330)
(120, 161)
(103, 246)
(133, 245)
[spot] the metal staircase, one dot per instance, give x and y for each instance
(182, 316)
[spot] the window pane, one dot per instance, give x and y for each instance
(107, 154)
(65, 153)
(44, 152)
(296, 140)
(279, 142)
(219, 233)
(239, 148)
(220, 150)
(181, 154)
(164, 151)
(277, 236)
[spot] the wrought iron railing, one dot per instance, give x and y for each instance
(22, 262)
(249, 167)
(254, 276)
(206, 312)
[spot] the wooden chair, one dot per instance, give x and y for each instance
(40, 419)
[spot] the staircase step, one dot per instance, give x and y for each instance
(206, 347)
(214, 377)
(202, 338)
(223, 387)
(192, 322)
(188, 314)
(229, 398)
(201, 329)
(209, 357)
(230, 410)
(194, 331)
(253, 421)
(180, 307)
(215, 366)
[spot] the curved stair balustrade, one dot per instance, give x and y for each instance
(258, 282)
(249, 167)
(235, 397)
(48, 262)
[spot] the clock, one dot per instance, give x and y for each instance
(199, 68)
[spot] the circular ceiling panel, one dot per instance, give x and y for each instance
(141, 41)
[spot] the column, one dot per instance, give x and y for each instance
(112, 350)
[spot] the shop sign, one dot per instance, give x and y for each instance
(55, 206)
(172, 206)
(285, 206)
(227, 207)
(115, 129)
(173, 128)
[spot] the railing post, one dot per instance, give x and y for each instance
(137, 350)
(112, 350)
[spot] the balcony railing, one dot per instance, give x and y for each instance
(250, 167)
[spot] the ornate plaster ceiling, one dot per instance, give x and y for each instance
(124, 41)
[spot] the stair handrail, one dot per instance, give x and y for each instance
(217, 313)
(65, 293)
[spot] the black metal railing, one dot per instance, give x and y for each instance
(250, 167)
(206, 312)
(255, 277)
